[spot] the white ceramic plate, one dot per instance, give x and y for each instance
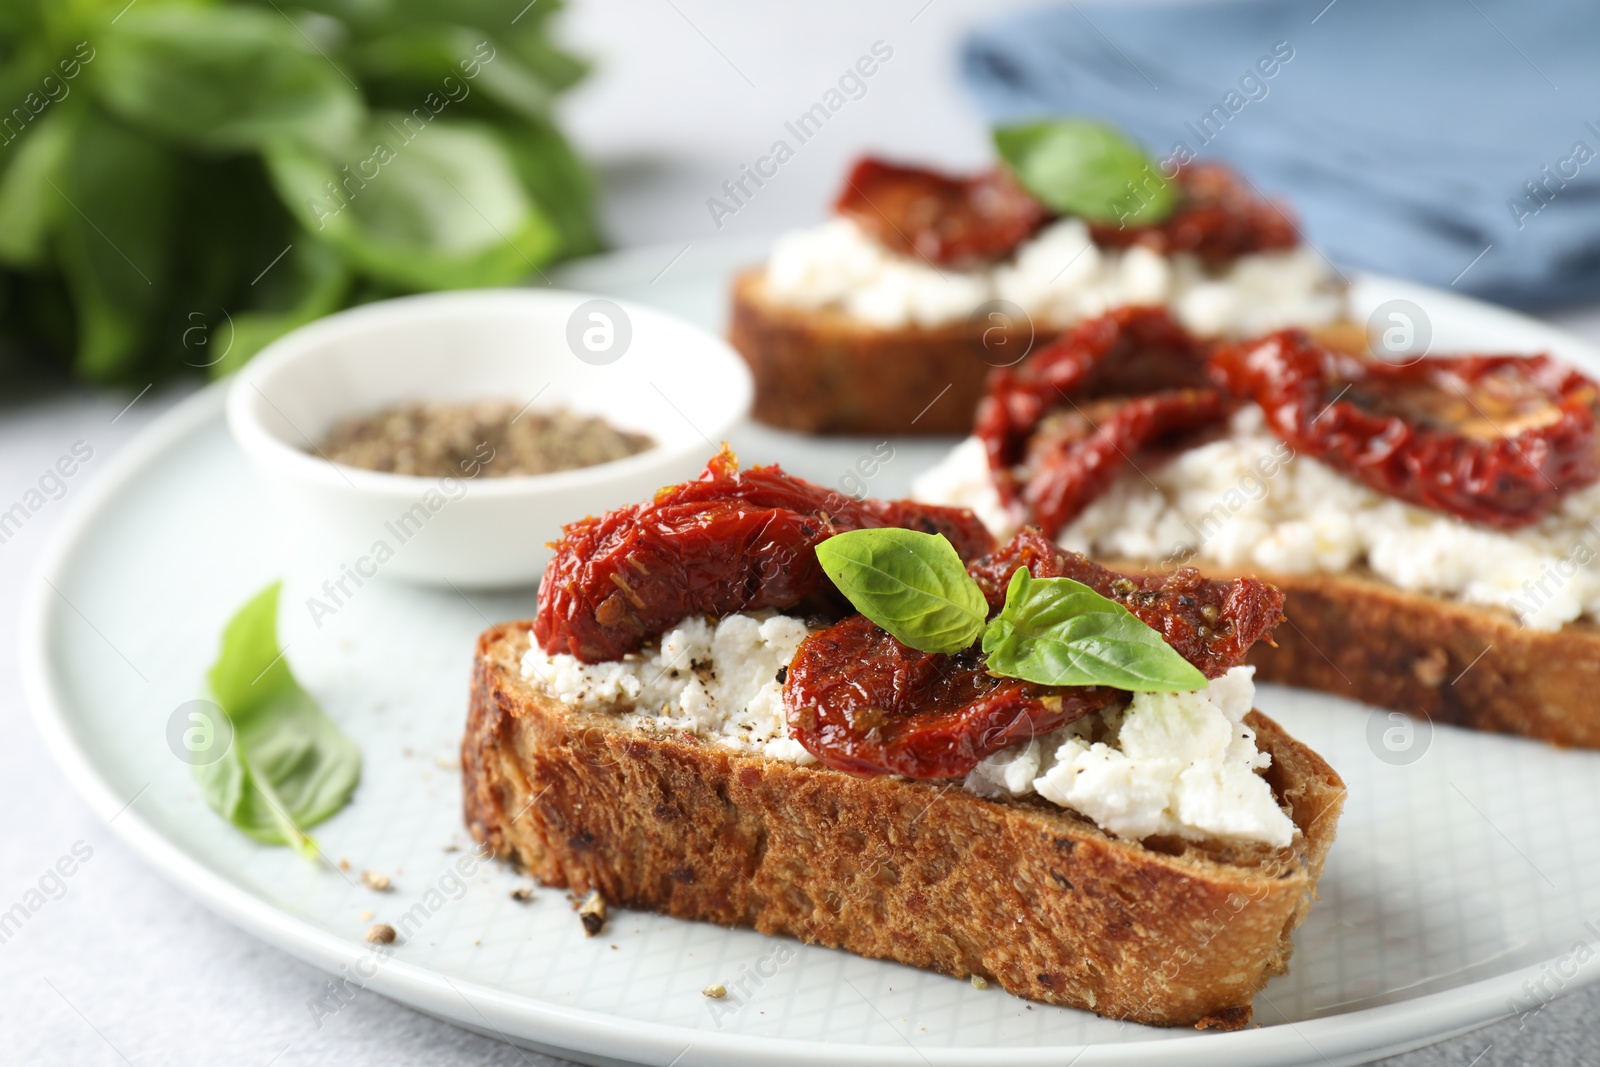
(1464, 866)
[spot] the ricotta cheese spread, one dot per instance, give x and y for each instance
(1059, 276)
(717, 681)
(1171, 763)
(1247, 501)
(1174, 764)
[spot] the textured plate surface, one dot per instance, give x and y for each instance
(1463, 869)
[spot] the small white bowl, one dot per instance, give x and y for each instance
(680, 385)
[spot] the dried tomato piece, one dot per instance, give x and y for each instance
(1134, 349)
(1063, 418)
(862, 702)
(728, 541)
(1079, 454)
(957, 222)
(771, 487)
(1219, 217)
(969, 222)
(1497, 440)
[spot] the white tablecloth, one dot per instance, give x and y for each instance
(123, 968)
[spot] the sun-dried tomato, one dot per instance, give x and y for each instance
(1219, 217)
(729, 541)
(956, 222)
(1131, 350)
(1077, 455)
(862, 702)
(969, 222)
(1060, 427)
(1497, 440)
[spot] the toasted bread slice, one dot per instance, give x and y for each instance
(1355, 635)
(824, 371)
(1022, 893)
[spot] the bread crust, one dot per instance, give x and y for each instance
(823, 371)
(1357, 636)
(820, 370)
(1464, 664)
(1029, 896)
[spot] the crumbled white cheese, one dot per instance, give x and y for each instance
(1178, 763)
(1173, 764)
(718, 682)
(1247, 501)
(1058, 277)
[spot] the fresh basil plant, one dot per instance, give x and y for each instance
(182, 182)
(1052, 631)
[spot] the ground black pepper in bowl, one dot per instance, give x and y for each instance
(437, 439)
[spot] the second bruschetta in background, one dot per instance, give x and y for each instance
(887, 318)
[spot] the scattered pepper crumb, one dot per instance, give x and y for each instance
(715, 992)
(381, 934)
(592, 912)
(522, 896)
(378, 883)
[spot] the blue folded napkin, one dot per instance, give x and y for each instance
(1449, 141)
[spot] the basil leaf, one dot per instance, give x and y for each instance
(1056, 631)
(311, 281)
(28, 206)
(222, 78)
(559, 182)
(912, 584)
(288, 767)
(121, 197)
(425, 207)
(1079, 167)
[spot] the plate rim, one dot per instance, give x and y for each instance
(1339, 1037)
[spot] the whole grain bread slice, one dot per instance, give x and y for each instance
(824, 371)
(1355, 635)
(1358, 636)
(1024, 894)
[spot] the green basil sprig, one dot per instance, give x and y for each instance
(1056, 631)
(1052, 631)
(1084, 168)
(288, 767)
